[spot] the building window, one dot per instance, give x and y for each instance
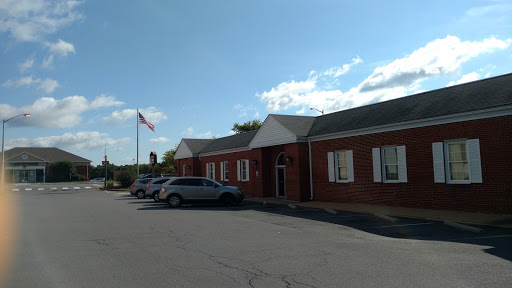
(243, 170)
(341, 166)
(184, 170)
(224, 171)
(210, 170)
(457, 161)
(389, 164)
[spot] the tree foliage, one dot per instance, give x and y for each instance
(166, 165)
(126, 177)
(247, 126)
(63, 171)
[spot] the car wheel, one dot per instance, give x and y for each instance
(227, 199)
(175, 200)
(141, 194)
(155, 196)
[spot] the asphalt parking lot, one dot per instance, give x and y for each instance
(401, 228)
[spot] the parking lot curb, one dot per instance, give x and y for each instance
(463, 227)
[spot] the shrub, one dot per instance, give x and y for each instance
(126, 178)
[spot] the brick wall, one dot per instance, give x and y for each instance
(494, 195)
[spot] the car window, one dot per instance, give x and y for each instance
(196, 182)
(179, 182)
(207, 182)
(161, 181)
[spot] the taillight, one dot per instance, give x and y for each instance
(150, 183)
(133, 185)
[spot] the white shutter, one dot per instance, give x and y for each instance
(247, 167)
(238, 170)
(213, 170)
(350, 166)
(377, 174)
(402, 164)
(330, 166)
(208, 170)
(475, 164)
(221, 171)
(438, 155)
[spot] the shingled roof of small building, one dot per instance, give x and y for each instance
(49, 154)
(240, 140)
(298, 125)
(478, 95)
(196, 145)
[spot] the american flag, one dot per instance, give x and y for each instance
(142, 120)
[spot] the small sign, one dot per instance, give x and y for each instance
(104, 163)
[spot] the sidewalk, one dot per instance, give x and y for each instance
(497, 220)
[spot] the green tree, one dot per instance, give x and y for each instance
(247, 126)
(166, 165)
(63, 171)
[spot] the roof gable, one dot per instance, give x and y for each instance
(271, 133)
(24, 157)
(191, 147)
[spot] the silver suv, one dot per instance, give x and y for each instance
(179, 190)
(154, 186)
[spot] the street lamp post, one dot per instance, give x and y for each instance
(3, 147)
(321, 111)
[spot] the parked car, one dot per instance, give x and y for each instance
(98, 180)
(157, 175)
(138, 188)
(179, 190)
(153, 187)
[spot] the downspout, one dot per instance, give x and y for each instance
(310, 171)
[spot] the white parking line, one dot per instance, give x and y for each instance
(76, 188)
(87, 187)
(16, 189)
(65, 188)
(39, 189)
(53, 188)
(28, 189)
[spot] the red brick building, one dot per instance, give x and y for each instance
(446, 149)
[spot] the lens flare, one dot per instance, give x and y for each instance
(8, 231)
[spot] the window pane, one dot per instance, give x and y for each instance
(390, 156)
(459, 171)
(457, 151)
(280, 159)
(342, 159)
(391, 172)
(342, 173)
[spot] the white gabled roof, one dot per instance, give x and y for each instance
(191, 147)
(282, 129)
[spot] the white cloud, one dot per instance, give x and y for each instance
(336, 72)
(473, 76)
(401, 77)
(207, 135)
(103, 101)
(117, 117)
(244, 111)
(48, 62)
(61, 48)
(87, 140)
(48, 85)
(32, 20)
(158, 140)
(188, 132)
(26, 65)
(48, 112)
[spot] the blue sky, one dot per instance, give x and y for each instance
(194, 68)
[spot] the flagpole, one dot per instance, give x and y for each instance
(138, 143)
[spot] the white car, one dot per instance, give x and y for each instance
(98, 180)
